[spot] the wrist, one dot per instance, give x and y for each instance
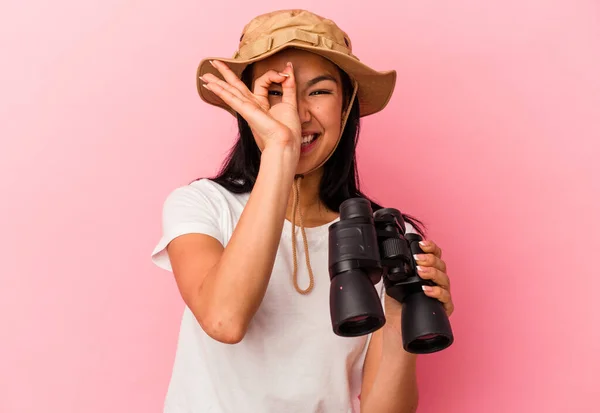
(281, 158)
(286, 145)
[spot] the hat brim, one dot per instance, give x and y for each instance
(375, 88)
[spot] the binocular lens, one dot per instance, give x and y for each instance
(356, 326)
(428, 343)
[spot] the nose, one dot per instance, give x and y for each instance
(303, 110)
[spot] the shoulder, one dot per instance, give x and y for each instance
(194, 191)
(200, 193)
(203, 200)
(200, 207)
(197, 201)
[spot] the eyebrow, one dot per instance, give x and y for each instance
(320, 79)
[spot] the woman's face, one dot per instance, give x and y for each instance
(320, 102)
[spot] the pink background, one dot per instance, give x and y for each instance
(492, 138)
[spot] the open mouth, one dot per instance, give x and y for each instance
(308, 141)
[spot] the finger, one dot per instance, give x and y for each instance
(430, 260)
(231, 78)
(289, 87)
(435, 275)
(209, 78)
(263, 84)
(429, 246)
(258, 119)
(442, 296)
(249, 110)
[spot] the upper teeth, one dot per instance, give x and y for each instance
(308, 138)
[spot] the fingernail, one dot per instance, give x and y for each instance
(423, 243)
(284, 74)
(202, 79)
(427, 288)
(422, 269)
(206, 86)
(418, 257)
(290, 64)
(212, 63)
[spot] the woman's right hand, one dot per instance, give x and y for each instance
(272, 125)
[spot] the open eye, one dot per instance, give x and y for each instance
(275, 93)
(321, 92)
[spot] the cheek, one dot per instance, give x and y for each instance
(332, 119)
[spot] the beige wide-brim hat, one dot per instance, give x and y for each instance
(270, 33)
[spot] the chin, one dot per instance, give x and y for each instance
(315, 156)
(305, 168)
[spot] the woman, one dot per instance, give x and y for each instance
(256, 334)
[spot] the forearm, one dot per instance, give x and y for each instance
(394, 389)
(236, 286)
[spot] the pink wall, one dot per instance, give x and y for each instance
(492, 138)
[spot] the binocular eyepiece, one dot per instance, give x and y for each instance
(363, 248)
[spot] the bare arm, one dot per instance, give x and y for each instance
(224, 287)
(389, 375)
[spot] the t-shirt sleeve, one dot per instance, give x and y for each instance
(188, 209)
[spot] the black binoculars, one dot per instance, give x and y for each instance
(364, 247)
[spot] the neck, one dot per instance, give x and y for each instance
(313, 210)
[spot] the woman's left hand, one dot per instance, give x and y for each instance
(433, 268)
(430, 266)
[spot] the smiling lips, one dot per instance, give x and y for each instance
(307, 138)
(308, 141)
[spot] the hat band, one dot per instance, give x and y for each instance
(266, 44)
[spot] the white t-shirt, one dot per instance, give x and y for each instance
(289, 361)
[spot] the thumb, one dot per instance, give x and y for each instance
(289, 86)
